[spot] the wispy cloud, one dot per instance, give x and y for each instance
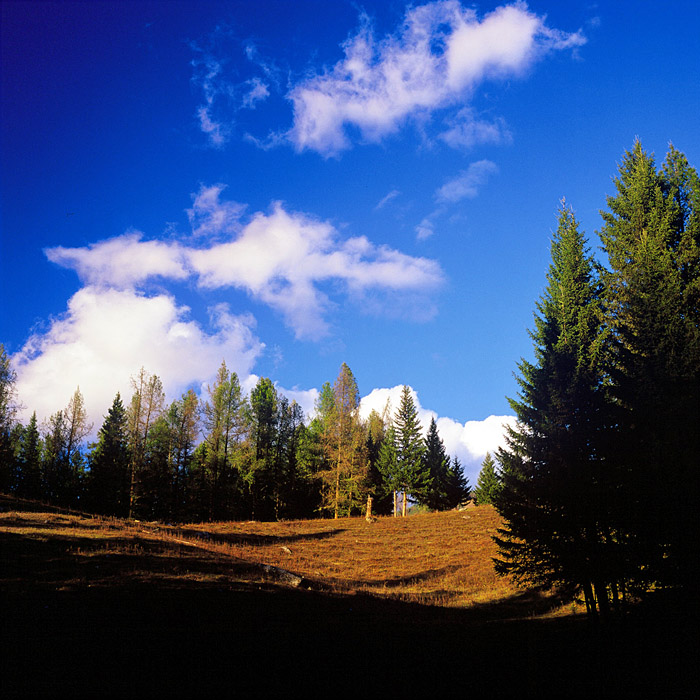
(441, 52)
(465, 130)
(224, 93)
(466, 184)
(386, 199)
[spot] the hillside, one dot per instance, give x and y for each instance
(344, 607)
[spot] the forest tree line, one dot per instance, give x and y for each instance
(598, 481)
(226, 455)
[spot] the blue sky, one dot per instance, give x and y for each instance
(293, 185)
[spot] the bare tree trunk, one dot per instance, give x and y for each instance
(403, 513)
(396, 504)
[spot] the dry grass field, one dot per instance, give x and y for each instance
(101, 607)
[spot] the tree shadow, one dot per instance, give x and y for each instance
(252, 539)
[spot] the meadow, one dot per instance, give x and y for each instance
(411, 605)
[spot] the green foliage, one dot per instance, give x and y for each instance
(436, 465)
(412, 477)
(108, 482)
(488, 482)
(29, 464)
(652, 238)
(553, 479)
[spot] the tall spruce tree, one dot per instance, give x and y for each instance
(436, 465)
(458, 488)
(29, 461)
(652, 238)
(108, 481)
(488, 483)
(413, 479)
(387, 465)
(556, 527)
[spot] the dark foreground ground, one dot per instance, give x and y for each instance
(124, 636)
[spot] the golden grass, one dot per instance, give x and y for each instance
(438, 559)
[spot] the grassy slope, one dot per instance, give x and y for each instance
(95, 606)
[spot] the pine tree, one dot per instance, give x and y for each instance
(652, 238)
(376, 434)
(413, 480)
(108, 482)
(458, 488)
(436, 464)
(556, 524)
(487, 483)
(29, 461)
(387, 465)
(263, 468)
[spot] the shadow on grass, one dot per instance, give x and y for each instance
(148, 618)
(252, 539)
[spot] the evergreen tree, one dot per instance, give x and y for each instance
(652, 238)
(556, 523)
(487, 483)
(436, 464)
(410, 448)
(376, 433)
(458, 488)
(387, 465)
(108, 482)
(29, 461)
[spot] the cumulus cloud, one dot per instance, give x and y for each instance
(106, 335)
(282, 259)
(441, 52)
(466, 184)
(469, 441)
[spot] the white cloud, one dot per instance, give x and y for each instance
(123, 261)
(258, 92)
(465, 131)
(282, 259)
(469, 441)
(106, 335)
(435, 59)
(386, 199)
(210, 217)
(208, 77)
(466, 184)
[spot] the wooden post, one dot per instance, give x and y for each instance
(368, 516)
